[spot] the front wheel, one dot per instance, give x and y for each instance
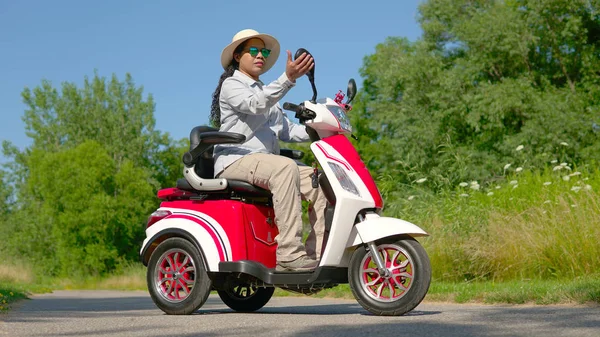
(402, 289)
(246, 298)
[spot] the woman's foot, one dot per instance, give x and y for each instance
(303, 263)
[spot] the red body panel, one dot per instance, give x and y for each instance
(343, 145)
(250, 235)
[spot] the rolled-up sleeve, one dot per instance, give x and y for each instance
(237, 94)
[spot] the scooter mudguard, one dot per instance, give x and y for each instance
(375, 227)
(202, 236)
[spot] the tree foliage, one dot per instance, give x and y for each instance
(486, 77)
(87, 184)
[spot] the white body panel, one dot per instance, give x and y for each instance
(375, 227)
(347, 204)
(202, 227)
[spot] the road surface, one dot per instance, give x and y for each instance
(115, 313)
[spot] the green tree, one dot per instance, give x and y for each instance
(486, 77)
(86, 185)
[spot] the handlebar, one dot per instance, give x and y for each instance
(302, 113)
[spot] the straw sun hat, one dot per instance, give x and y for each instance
(246, 34)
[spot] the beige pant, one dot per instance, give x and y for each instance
(288, 183)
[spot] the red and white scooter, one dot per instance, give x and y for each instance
(218, 234)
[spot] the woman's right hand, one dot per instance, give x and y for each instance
(299, 67)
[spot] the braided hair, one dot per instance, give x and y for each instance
(215, 109)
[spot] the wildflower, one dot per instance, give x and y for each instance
(587, 187)
(498, 187)
(519, 169)
(490, 193)
(557, 168)
(563, 164)
(575, 188)
(411, 197)
(547, 202)
(515, 186)
(463, 184)
(554, 161)
(506, 166)
(566, 178)
(475, 187)
(519, 148)
(513, 182)
(576, 173)
(586, 178)
(422, 180)
(464, 195)
(564, 144)
(547, 183)
(573, 205)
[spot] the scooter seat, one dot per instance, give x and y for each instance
(237, 186)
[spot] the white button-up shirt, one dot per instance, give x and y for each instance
(252, 109)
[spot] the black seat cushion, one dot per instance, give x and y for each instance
(238, 186)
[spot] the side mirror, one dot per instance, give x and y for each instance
(351, 92)
(310, 74)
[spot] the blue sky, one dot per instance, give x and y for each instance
(172, 48)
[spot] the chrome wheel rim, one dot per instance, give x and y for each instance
(401, 274)
(175, 275)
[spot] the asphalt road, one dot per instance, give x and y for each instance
(112, 313)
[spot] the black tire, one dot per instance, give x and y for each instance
(367, 295)
(245, 298)
(166, 294)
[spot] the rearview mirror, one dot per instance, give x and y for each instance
(310, 74)
(351, 92)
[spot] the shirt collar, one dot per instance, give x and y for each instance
(247, 79)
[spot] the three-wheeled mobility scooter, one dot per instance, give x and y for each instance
(219, 234)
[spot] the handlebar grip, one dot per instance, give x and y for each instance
(290, 106)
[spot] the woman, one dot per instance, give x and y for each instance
(243, 104)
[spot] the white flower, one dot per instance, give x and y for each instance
(566, 178)
(575, 188)
(513, 182)
(554, 161)
(464, 195)
(519, 169)
(587, 187)
(422, 180)
(547, 183)
(564, 144)
(556, 168)
(474, 182)
(576, 173)
(506, 166)
(498, 187)
(463, 184)
(475, 187)
(547, 202)
(586, 178)
(573, 205)
(411, 197)
(563, 164)
(519, 148)
(517, 185)
(490, 193)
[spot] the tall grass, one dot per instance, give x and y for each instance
(532, 225)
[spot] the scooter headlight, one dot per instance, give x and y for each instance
(341, 116)
(343, 178)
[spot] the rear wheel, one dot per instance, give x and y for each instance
(402, 289)
(245, 298)
(177, 280)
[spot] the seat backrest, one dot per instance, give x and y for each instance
(204, 164)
